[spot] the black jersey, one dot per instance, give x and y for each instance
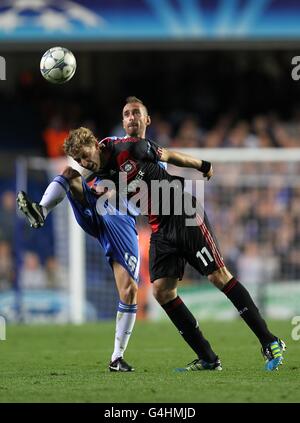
(173, 243)
(138, 158)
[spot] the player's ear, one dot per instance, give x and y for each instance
(148, 121)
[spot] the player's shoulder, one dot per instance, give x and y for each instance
(117, 140)
(123, 142)
(107, 140)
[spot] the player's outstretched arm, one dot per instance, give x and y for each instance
(184, 160)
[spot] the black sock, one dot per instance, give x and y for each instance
(241, 299)
(189, 329)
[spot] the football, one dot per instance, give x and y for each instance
(58, 65)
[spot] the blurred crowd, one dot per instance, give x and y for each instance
(262, 131)
(264, 237)
(37, 270)
(258, 226)
(44, 121)
(7, 258)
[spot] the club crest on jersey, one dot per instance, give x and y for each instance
(129, 167)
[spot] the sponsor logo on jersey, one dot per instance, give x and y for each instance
(129, 167)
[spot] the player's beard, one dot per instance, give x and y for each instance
(133, 131)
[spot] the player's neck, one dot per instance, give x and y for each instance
(136, 135)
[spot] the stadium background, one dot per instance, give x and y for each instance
(214, 75)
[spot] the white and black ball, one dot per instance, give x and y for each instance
(58, 65)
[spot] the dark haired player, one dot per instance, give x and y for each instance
(172, 242)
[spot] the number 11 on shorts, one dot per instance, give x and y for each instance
(200, 254)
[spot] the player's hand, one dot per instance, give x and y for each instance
(207, 169)
(209, 174)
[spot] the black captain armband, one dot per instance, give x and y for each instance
(205, 167)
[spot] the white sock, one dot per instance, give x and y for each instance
(124, 324)
(54, 194)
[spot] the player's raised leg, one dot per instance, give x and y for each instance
(69, 180)
(165, 292)
(125, 318)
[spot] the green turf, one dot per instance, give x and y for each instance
(69, 364)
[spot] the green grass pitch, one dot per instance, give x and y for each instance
(69, 364)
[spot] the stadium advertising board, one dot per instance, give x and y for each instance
(279, 301)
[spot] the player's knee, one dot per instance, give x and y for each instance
(70, 174)
(128, 293)
(75, 182)
(220, 277)
(162, 295)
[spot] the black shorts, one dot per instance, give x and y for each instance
(175, 244)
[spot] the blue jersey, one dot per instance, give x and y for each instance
(116, 233)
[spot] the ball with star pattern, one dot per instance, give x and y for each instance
(58, 65)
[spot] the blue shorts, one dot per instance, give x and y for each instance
(116, 233)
